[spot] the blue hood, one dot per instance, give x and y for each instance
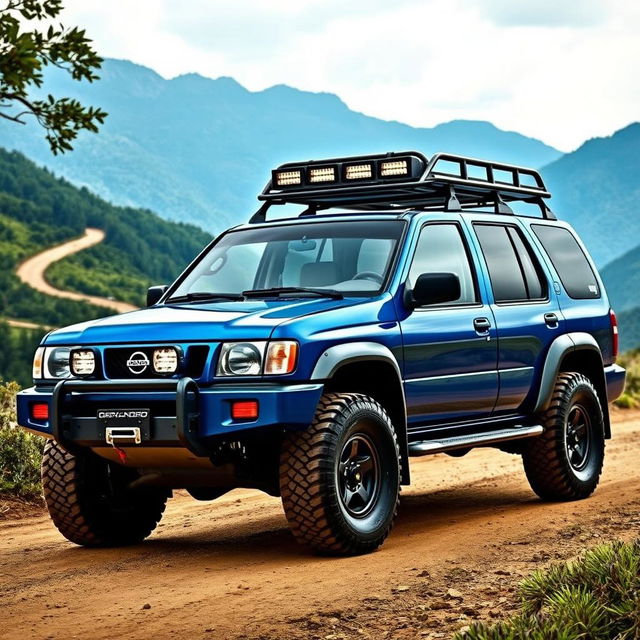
(250, 320)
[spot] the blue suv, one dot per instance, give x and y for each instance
(406, 311)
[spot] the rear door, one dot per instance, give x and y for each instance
(524, 305)
(450, 349)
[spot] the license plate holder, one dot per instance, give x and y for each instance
(114, 421)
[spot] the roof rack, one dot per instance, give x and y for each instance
(403, 180)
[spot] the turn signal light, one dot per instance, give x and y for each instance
(40, 411)
(281, 357)
(244, 410)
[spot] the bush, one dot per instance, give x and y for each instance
(596, 596)
(630, 399)
(20, 451)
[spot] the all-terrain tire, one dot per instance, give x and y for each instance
(550, 461)
(320, 468)
(90, 503)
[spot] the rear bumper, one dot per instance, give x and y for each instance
(615, 377)
(182, 414)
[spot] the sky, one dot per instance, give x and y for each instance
(561, 71)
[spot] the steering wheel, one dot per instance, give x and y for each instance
(368, 275)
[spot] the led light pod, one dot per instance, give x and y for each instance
(83, 362)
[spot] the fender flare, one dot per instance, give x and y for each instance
(560, 347)
(340, 355)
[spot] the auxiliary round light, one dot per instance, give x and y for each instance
(83, 362)
(165, 360)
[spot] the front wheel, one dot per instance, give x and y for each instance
(565, 462)
(90, 502)
(340, 478)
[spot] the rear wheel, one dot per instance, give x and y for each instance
(340, 478)
(565, 462)
(90, 501)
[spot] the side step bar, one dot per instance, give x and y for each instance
(427, 447)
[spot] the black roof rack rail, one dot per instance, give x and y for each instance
(403, 180)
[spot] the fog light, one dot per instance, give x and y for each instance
(40, 411)
(244, 410)
(83, 362)
(165, 360)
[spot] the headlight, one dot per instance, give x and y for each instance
(83, 362)
(165, 360)
(256, 358)
(241, 359)
(57, 363)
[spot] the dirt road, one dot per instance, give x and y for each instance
(32, 271)
(467, 531)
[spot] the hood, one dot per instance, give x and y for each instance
(249, 320)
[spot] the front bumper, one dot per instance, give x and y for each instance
(182, 414)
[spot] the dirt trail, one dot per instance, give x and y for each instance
(230, 569)
(32, 271)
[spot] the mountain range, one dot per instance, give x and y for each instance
(198, 150)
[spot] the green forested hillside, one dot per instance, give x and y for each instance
(39, 210)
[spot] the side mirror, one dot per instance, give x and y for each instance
(435, 288)
(155, 293)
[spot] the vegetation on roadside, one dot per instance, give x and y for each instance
(16, 355)
(595, 596)
(630, 399)
(20, 451)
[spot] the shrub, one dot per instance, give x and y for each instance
(595, 596)
(630, 399)
(20, 451)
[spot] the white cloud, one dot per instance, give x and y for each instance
(562, 72)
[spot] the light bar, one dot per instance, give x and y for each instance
(288, 178)
(390, 168)
(322, 174)
(358, 171)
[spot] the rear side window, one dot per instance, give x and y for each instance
(569, 260)
(514, 272)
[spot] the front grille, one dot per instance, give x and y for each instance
(115, 362)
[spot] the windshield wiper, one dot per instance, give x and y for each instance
(277, 291)
(198, 296)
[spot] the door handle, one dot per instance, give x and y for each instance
(482, 325)
(551, 320)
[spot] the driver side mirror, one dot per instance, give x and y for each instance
(434, 288)
(155, 293)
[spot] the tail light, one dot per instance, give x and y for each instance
(615, 341)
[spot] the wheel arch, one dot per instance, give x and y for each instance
(372, 369)
(577, 352)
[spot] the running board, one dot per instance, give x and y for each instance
(427, 447)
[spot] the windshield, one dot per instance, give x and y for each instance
(351, 258)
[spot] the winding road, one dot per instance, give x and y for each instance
(32, 272)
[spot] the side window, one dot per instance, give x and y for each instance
(514, 272)
(569, 260)
(441, 249)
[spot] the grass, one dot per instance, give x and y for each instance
(20, 451)
(596, 596)
(630, 399)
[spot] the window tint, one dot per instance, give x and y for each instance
(569, 260)
(533, 278)
(506, 275)
(441, 250)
